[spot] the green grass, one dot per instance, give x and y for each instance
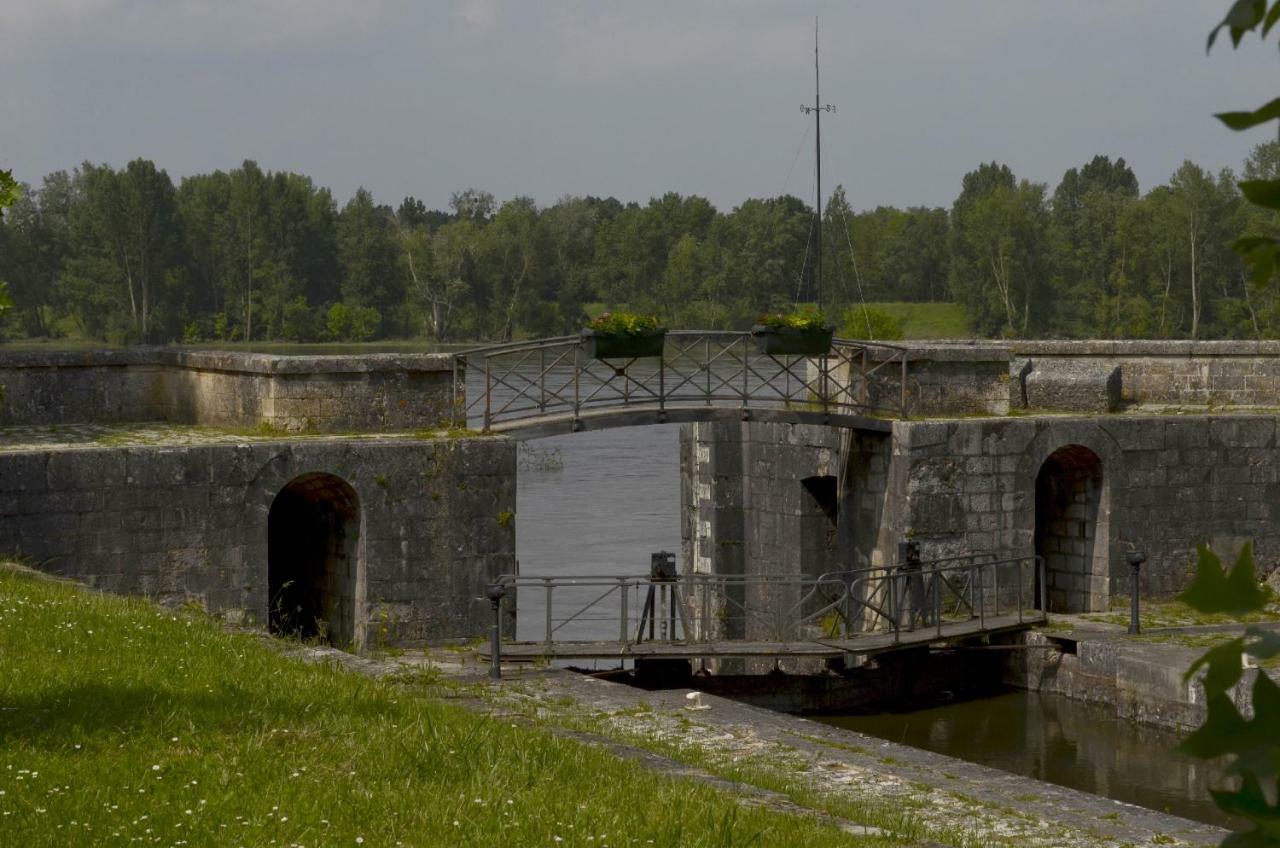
(928, 320)
(1161, 614)
(124, 722)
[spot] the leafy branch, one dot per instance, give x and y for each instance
(1262, 253)
(1251, 745)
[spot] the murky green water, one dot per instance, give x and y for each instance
(1060, 741)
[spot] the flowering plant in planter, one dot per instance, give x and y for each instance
(805, 332)
(623, 335)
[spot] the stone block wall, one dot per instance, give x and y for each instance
(369, 393)
(191, 523)
(781, 498)
(1221, 373)
(1166, 483)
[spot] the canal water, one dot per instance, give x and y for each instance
(1058, 740)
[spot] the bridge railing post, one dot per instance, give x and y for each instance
(1018, 570)
(542, 380)
(662, 387)
(902, 389)
(550, 634)
(488, 393)
(577, 386)
(624, 612)
(746, 370)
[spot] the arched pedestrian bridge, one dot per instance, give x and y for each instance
(547, 387)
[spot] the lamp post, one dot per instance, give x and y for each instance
(1135, 560)
(495, 592)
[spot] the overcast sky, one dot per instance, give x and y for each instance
(626, 99)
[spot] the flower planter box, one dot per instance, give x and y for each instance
(623, 345)
(791, 341)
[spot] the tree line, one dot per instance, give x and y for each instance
(125, 255)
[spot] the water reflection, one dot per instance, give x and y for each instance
(1060, 741)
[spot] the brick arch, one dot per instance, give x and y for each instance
(1073, 530)
(315, 560)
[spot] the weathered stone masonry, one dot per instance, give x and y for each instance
(367, 393)
(1176, 446)
(363, 540)
(191, 523)
(1167, 483)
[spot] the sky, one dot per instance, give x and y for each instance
(632, 99)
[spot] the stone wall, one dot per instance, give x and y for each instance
(369, 393)
(1166, 484)
(1169, 483)
(781, 498)
(1222, 373)
(191, 524)
(962, 378)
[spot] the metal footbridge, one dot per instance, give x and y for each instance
(664, 615)
(551, 386)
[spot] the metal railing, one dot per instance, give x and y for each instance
(556, 377)
(838, 606)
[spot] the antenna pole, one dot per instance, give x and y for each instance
(817, 109)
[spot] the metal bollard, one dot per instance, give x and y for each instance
(1135, 560)
(495, 593)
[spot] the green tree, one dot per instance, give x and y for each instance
(9, 193)
(372, 276)
(1090, 260)
(127, 248)
(998, 249)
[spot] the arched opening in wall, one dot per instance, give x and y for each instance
(314, 572)
(1072, 531)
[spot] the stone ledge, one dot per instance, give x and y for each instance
(233, 361)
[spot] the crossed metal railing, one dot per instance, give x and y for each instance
(525, 381)
(782, 608)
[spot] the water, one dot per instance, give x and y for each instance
(614, 500)
(1058, 740)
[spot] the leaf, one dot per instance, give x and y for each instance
(1264, 193)
(1272, 17)
(1262, 253)
(1234, 593)
(1243, 16)
(1219, 735)
(1248, 801)
(1246, 120)
(1224, 667)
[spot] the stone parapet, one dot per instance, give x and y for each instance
(369, 393)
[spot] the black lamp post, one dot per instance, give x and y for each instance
(1135, 560)
(495, 592)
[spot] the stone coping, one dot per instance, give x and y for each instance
(993, 351)
(228, 361)
(147, 434)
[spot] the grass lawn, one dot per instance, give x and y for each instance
(928, 320)
(124, 723)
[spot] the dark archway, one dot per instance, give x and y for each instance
(315, 573)
(1072, 530)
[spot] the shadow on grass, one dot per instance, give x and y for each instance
(54, 717)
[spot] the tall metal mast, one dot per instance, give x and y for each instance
(816, 110)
